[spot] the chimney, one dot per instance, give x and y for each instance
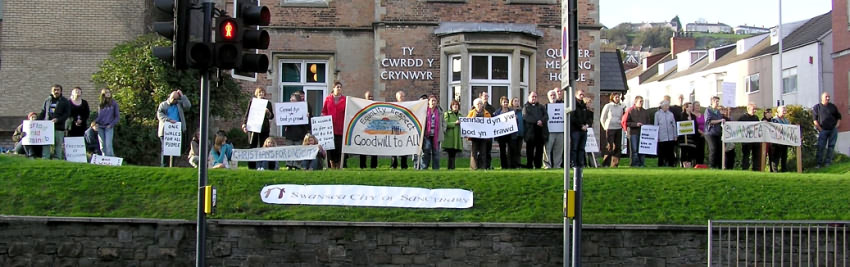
(680, 42)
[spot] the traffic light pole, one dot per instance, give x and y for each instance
(201, 227)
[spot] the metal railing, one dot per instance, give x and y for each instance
(778, 243)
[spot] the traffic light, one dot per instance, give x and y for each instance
(250, 15)
(176, 29)
(228, 50)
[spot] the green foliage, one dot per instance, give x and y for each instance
(611, 195)
(140, 82)
(654, 37)
(802, 116)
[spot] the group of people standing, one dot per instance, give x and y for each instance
(70, 118)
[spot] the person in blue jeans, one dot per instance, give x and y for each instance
(827, 119)
(638, 116)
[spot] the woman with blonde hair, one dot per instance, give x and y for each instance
(255, 139)
(478, 144)
(316, 163)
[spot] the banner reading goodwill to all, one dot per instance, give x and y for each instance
(761, 132)
(481, 127)
(371, 196)
(383, 128)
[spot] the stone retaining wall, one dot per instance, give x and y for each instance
(52, 241)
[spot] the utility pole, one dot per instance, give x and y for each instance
(201, 231)
(569, 74)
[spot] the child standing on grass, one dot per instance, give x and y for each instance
(316, 163)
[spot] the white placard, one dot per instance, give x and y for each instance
(480, 127)
(556, 117)
(75, 149)
(591, 146)
(278, 153)
(383, 128)
(624, 143)
(38, 133)
(685, 127)
(728, 97)
(106, 160)
(291, 113)
(371, 196)
(323, 130)
(648, 140)
(761, 132)
(172, 138)
(256, 115)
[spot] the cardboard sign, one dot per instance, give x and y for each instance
(625, 143)
(480, 127)
(105, 160)
(172, 138)
(591, 146)
(686, 127)
(556, 117)
(648, 140)
(728, 97)
(384, 128)
(256, 115)
(38, 133)
(75, 149)
(323, 130)
(291, 113)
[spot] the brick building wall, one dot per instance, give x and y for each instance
(841, 46)
(48, 42)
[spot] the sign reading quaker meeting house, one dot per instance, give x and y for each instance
(762, 131)
(383, 128)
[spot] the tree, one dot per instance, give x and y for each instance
(139, 82)
(619, 35)
(654, 37)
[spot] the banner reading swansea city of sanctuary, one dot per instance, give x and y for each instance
(383, 128)
(362, 195)
(762, 131)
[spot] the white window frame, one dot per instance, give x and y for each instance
(489, 82)
(453, 83)
(785, 89)
(748, 82)
(309, 88)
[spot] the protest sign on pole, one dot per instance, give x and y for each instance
(383, 128)
(291, 113)
(75, 149)
(106, 160)
(38, 133)
(591, 146)
(323, 130)
(481, 127)
(278, 153)
(256, 115)
(556, 118)
(171, 139)
(728, 97)
(364, 195)
(685, 127)
(761, 132)
(648, 140)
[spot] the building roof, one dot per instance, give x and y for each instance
(459, 27)
(811, 31)
(611, 70)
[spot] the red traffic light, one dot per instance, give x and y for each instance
(228, 29)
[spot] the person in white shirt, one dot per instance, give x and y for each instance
(612, 114)
(666, 122)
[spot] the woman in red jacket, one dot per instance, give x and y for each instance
(334, 106)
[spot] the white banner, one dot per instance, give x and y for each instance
(761, 132)
(685, 127)
(591, 146)
(323, 130)
(38, 133)
(361, 195)
(75, 149)
(172, 138)
(383, 128)
(624, 143)
(106, 160)
(556, 117)
(278, 153)
(480, 127)
(728, 97)
(291, 113)
(648, 140)
(256, 115)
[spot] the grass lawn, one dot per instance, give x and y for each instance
(611, 196)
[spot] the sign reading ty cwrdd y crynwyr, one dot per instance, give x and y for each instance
(481, 127)
(371, 196)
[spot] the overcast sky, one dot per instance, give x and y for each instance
(732, 12)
